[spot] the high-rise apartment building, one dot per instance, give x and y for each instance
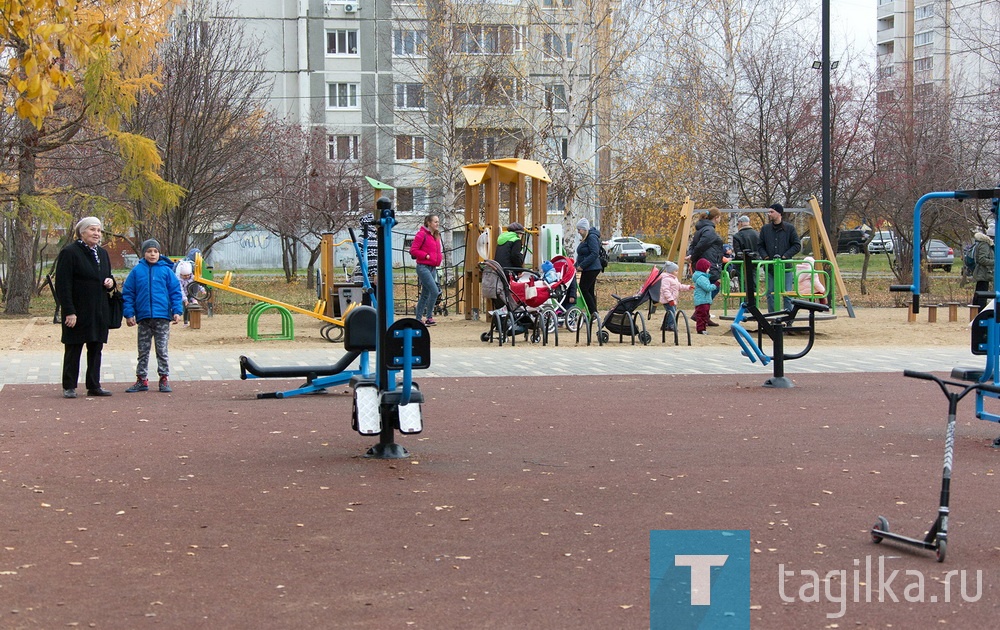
(948, 45)
(414, 89)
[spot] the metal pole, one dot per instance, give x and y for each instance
(826, 118)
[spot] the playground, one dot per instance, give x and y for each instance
(209, 508)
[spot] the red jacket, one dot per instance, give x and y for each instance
(426, 249)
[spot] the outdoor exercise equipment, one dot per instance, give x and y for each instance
(359, 339)
(382, 407)
(986, 325)
(822, 248)
(775, 325)
(936, 538)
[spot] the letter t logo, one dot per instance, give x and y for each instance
(701, 575)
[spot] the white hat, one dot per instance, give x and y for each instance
(85, 223)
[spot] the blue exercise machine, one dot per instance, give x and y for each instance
(357, 343)
(986, 325)
(381, 406)
(775, 325)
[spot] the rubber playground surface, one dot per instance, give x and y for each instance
(527, 503)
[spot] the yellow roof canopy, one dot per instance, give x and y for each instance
(508, 169)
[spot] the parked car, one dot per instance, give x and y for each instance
(882, 242)
(652, 249)
(851, 241)
(627, 252)
(939, 255)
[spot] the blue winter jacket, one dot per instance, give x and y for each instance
(587, 252)
(152, 291)
(703, 288)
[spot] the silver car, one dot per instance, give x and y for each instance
(939, 255)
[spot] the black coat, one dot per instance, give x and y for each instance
(746, 240)
(706, 243)
(778, 240)
(80, 291)
(510, 255)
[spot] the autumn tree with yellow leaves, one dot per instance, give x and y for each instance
(70, 67)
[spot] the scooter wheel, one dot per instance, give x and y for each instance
(882, 525)
(942, 549)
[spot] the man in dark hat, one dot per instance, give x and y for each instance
(778, 242)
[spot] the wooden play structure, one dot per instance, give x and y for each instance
(527, 186)
(823, 250)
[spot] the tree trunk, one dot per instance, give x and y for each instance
(21, 276)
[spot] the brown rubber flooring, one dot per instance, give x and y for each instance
(527, 503)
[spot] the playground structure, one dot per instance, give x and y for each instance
(774, 324)
(823, 251)
(526, 189)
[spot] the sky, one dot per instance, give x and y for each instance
(852, 19)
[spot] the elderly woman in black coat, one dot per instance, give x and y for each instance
(83, 280)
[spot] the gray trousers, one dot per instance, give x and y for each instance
(150, 331)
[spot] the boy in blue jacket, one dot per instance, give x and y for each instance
(153, 299)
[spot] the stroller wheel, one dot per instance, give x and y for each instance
(573, 319)
(485, 337)
(645, 338)
(603, 336)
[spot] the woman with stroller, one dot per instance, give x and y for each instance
(588, 262)
(427, 252)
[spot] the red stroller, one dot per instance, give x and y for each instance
(532, 301)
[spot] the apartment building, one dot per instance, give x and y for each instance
(948, 45)
(412, 90)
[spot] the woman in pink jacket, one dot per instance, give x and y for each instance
(426, 251)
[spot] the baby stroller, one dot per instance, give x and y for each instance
(624, 317)
(532, 302)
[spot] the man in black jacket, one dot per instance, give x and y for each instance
(778, 241)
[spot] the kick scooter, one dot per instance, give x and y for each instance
(937, 537)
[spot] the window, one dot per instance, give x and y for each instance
(410, 95)
(556, 45)
(925, 11)
(409, 43)
(488, 39)
(343, 148)
(479, 149)
(555, 97)
(924, 63)
(346, 200)
(560, 147)
(922, 39)
(342, 42)
(409, 148)
(411, 200)
(342, 96)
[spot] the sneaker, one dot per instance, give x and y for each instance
(430, 322)
(702, 332)
(164, 385)
(141, 385)
(712, 322)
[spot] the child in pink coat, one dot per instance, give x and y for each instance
(670, 287)
(809, 281)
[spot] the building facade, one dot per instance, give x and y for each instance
(412, 90)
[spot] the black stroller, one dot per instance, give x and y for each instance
(624, 317)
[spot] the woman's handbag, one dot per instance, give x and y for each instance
(116, 309)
